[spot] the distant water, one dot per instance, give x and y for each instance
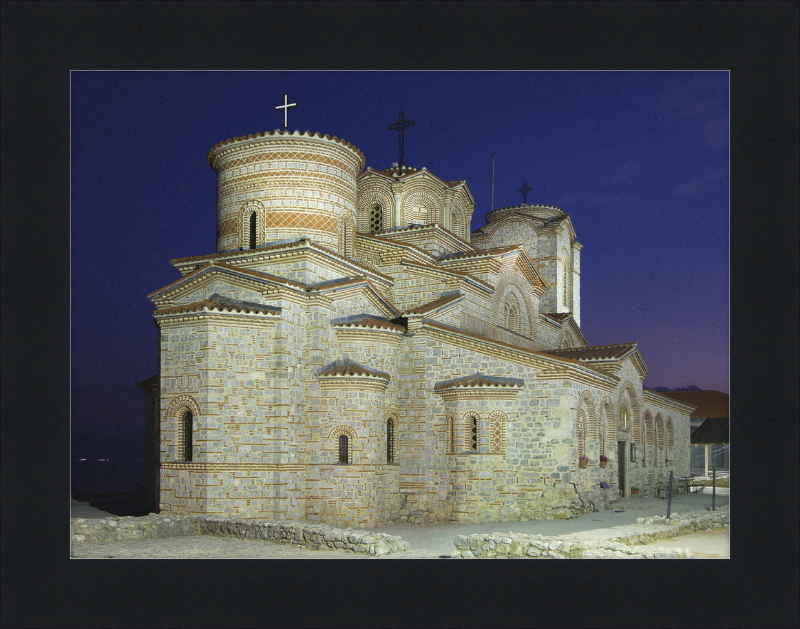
(111, 463)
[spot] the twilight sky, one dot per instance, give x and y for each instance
(639, 160)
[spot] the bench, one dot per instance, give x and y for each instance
(690, 483)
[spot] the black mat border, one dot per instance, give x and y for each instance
(42, 41)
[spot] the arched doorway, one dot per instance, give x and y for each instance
(623, 432)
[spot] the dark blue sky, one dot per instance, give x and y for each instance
(639, 160)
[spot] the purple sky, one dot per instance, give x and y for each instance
(639, 160)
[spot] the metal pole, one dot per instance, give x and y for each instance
(714, 489)
(669, 497)
(492, 181)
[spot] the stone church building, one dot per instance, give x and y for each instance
(354, 354)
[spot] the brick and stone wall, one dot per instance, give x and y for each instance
(297, 184)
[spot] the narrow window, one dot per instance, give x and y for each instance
(375, 218)
(253, 230)
(187, 436)
(344, 246)
(343, 450)
(390, 441)
(474, 432)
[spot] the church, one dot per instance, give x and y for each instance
(354, 353)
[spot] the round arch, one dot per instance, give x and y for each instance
(420, 206)
(369, 200)
(245, 224)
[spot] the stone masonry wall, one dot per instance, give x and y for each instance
(316, 536)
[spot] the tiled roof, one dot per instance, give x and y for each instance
(399, 170)
(479, 380)
(483, 337)
(495, 251)
(353, 370)
(713, 430)
(421, 226)
(368, 322)
(525, 207)
(150, 383)
(433, 305)
(450, 271)
(284, 245)
(278, 132)
(378, 236)
(707, 403)
(557, 316)
(598, 352)
(222, 304)
(354, 281)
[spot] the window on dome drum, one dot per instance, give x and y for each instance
(344, 247)
(344, 454)
(186, 435)
(375, 218)
(390, 441)
(253, 230)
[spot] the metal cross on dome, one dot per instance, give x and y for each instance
(285, 107)
(401, 125)
(524, 190)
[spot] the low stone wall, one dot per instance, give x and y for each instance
(156, 526)
(563, 502)
(521, 546)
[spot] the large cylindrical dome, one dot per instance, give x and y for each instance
(280, 186)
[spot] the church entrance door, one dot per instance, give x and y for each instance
(622, 465)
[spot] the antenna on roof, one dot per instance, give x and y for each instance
(492, 182)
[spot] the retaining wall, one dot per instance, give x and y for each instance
(157, 526)
(521, 546)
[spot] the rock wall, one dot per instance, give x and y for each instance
(521, 546)
(153, 526)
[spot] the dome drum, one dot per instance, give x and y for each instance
(283, 186)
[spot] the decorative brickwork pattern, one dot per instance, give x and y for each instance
(421, 207)
(497, 432)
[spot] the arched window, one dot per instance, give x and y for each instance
(344, 245)
(601, 431)
(376, 218)
(564, 292)
(624, 420)
(344, 451)
(580, 424)
(450, 435)
(253, 230)
(473, 435)
(186, 435)
(390, 441)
